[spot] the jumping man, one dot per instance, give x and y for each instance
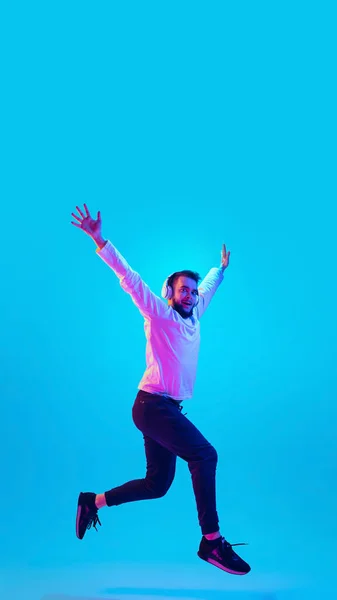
(172, 330)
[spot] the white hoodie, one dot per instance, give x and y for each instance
(172, 342)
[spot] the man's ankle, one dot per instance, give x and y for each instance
(100, 501)
(212, 536)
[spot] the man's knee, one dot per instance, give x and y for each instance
(207, 455)
(206, 459)
(158, 489)
(211, 454)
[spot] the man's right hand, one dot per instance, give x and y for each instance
(92, 227)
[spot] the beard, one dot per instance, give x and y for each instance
(181, 310)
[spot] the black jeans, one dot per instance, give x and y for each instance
(167, 434)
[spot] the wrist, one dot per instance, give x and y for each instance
(99, 241)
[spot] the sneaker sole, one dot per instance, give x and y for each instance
(78, 516)
(220, 566)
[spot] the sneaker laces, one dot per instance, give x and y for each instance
(225, 543)
(239, 544)
(93, 520)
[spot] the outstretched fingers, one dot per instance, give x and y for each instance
(85, 220)
(76, 217)
(79, 210)
(83, 216)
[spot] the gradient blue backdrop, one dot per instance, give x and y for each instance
(187, 124)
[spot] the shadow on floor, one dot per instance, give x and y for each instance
(147, 594)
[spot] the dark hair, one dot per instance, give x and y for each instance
(186, 273)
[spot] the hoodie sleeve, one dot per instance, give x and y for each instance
(147, 302)
(207, 289)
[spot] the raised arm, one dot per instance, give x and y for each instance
(146, 301)
(211, 282)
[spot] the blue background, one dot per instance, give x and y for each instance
(187, 124)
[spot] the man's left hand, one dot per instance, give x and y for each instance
(224, 257)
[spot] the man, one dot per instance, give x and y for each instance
(172, 331)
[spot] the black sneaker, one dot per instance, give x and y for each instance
(220, 553)
(86, 513)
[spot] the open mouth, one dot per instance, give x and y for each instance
(186, 304)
